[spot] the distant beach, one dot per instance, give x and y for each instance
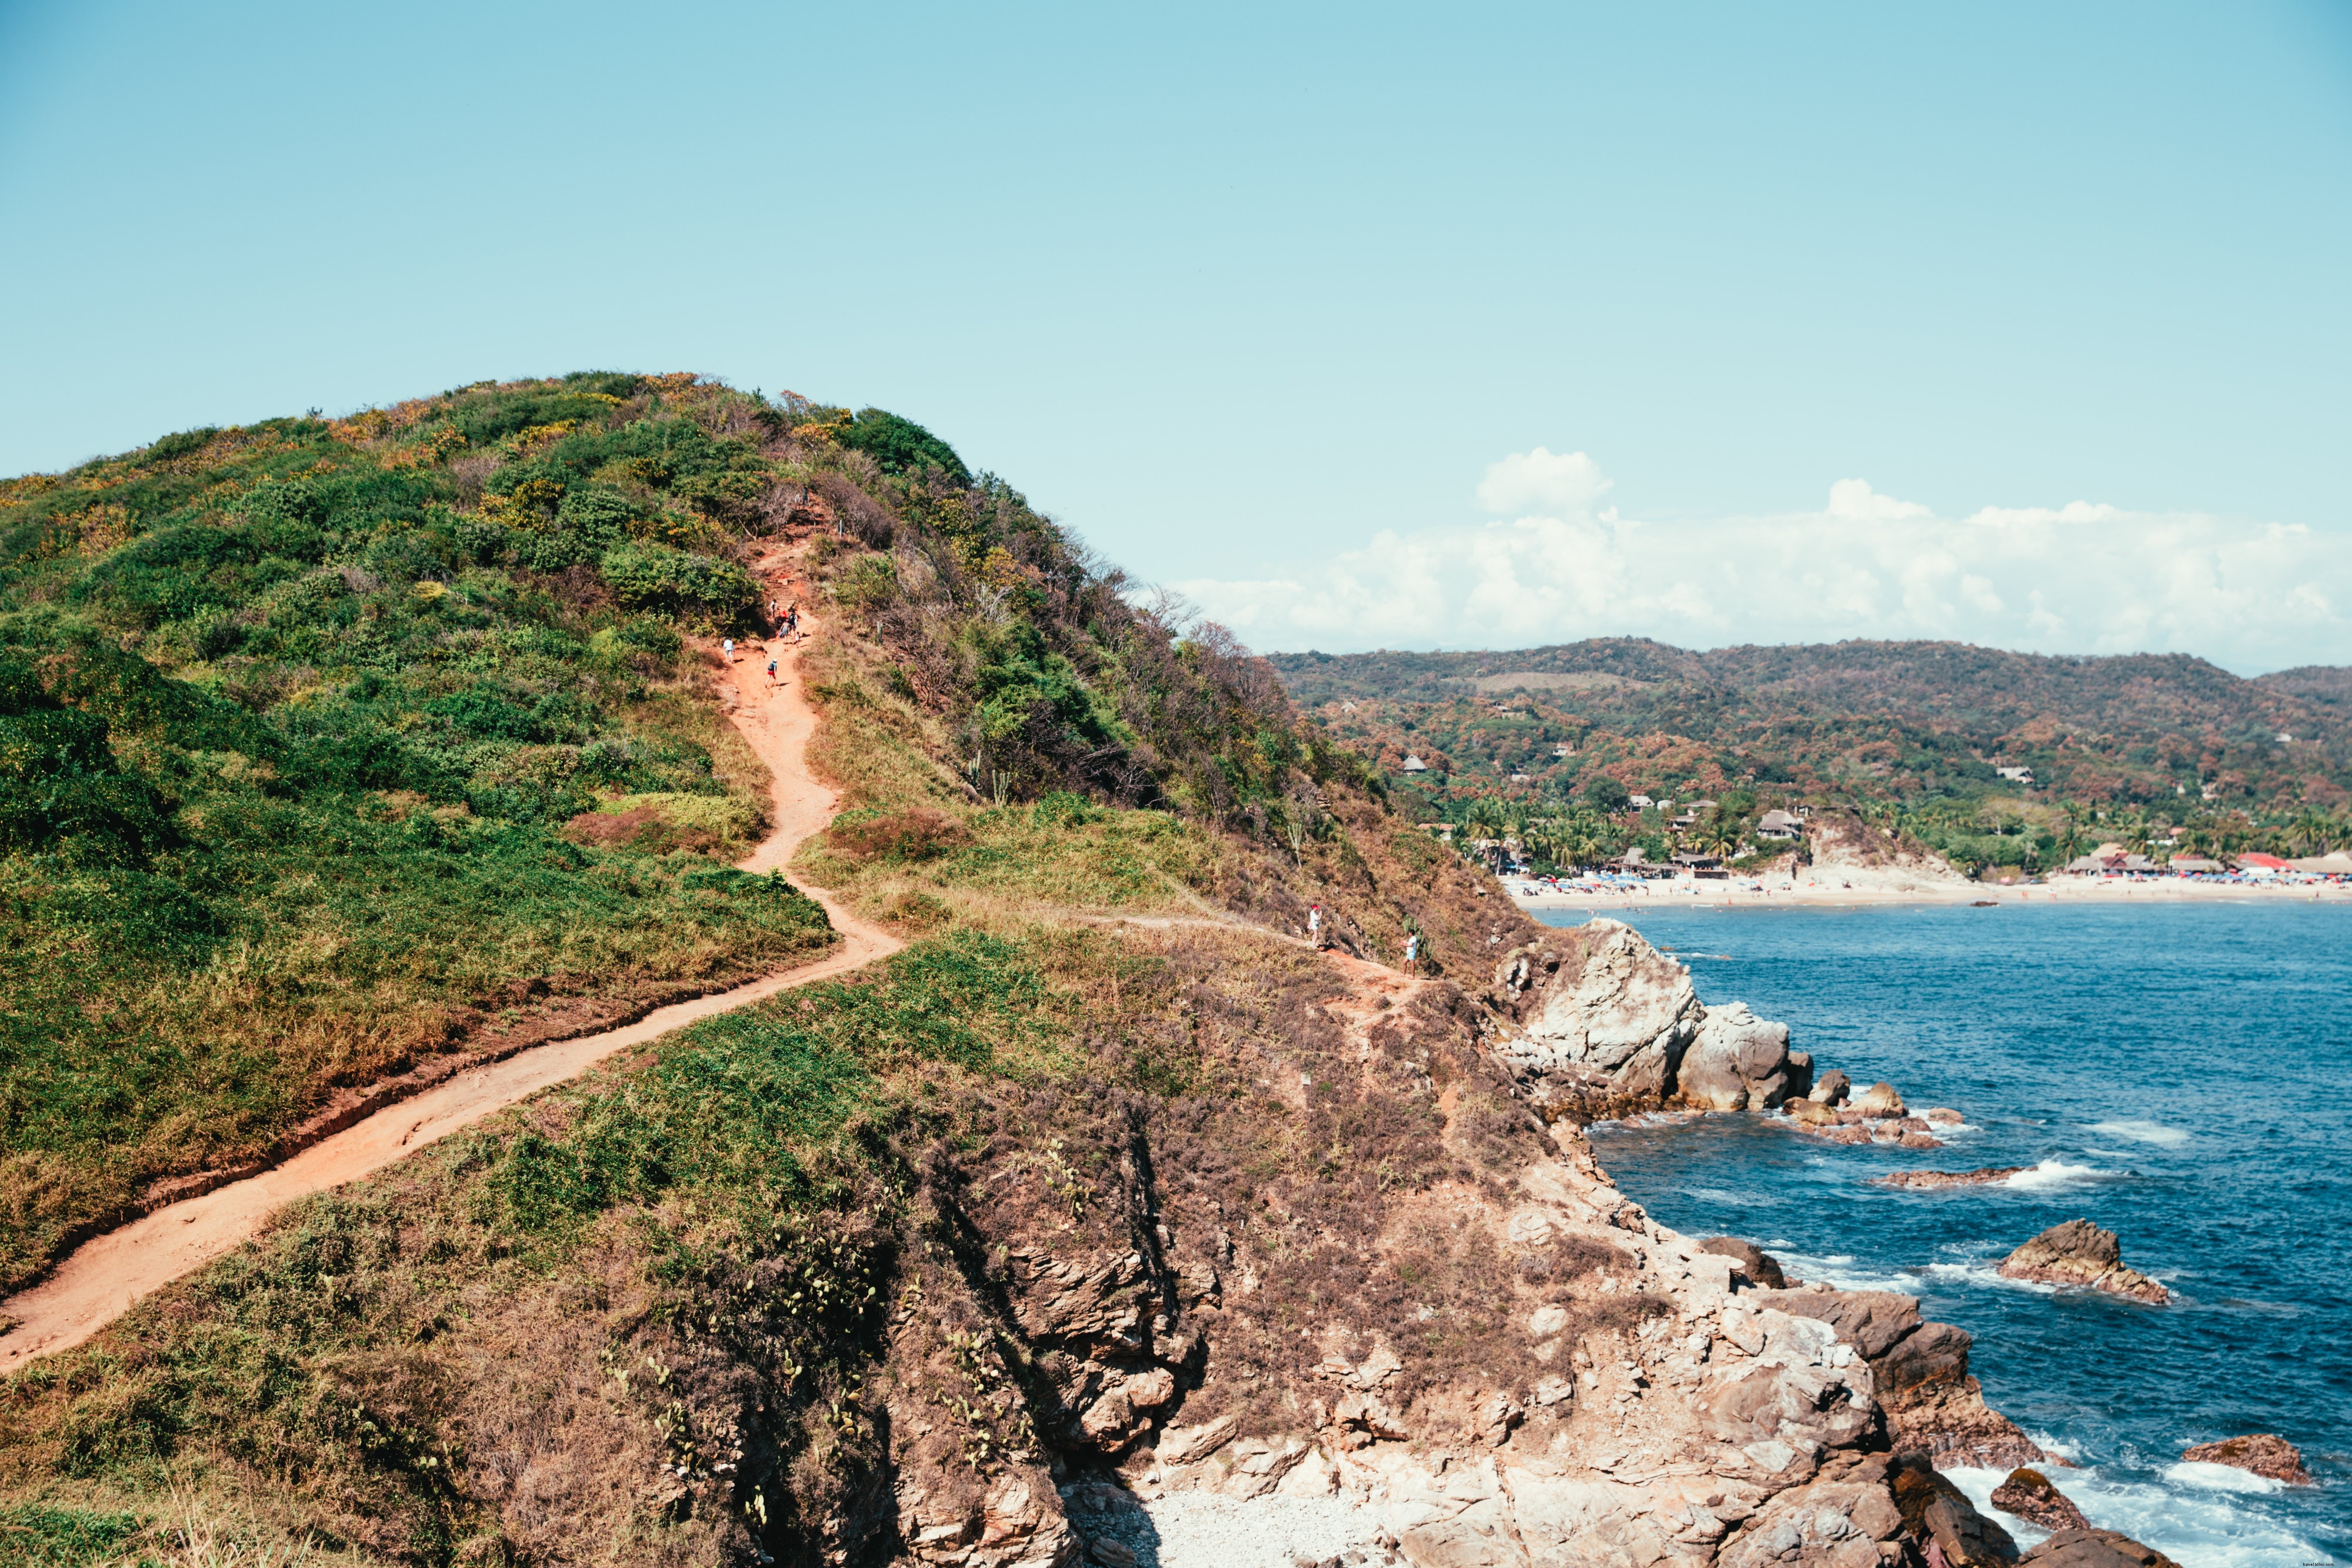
(1857, 886)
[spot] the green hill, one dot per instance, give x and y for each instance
(2142, 747)
(336, 750)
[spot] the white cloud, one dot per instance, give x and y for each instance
(1527, 481)
(2078, 578)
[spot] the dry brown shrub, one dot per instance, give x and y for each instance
(918, 833)
(643, 826)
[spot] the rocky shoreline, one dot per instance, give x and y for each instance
(1681, 1400)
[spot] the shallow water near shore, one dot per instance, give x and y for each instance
(2180, 1074)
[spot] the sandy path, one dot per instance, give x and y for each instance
(103, 1278)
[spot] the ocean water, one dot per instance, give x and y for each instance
(2181, 1074)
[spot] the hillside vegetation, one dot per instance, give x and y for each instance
(2153, 752)
(317, 734)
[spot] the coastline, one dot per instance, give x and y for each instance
(1865, 887)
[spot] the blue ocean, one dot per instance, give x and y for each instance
(2181, 1074)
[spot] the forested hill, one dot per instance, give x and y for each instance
(1898, 718)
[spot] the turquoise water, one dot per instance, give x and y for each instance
(2181, 1074)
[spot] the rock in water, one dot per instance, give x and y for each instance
(2028, 1495)
(1760, 1266)
(1830, 1088)
(2080, 1253)
(1880, 1100)
(1991, 1174)
(2265, 1453)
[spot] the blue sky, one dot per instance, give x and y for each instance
(1241, 293)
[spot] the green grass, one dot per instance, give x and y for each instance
(751, 1169)
(292, 718)
(32, 1535)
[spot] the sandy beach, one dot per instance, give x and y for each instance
(1858, 887)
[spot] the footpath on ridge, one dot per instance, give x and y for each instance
(108, 1275)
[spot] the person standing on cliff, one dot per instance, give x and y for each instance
(1411, 950)
(1315, 926)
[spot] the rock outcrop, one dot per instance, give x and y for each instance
(2029, 1494)
(1606, 1026)
(2095, 1549)
(1603, 1020)
(1939, 1517)
(1737, 1062)
(1933, 1405)
(2264, 1453)
(1758, 1267)
(2080, 1253)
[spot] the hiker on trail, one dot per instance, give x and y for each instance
(1314, 925)
(727, 647)
(774, 606)
(772, 670)
(792, 622)
(1411, 950)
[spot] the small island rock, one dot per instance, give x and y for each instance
(1830, 1088)
(2030, 1496)
(2080, 1253)
(1916, 1179)
(2264, 1453)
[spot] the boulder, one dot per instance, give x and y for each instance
(1830, 1088)
(1800, 1076)
(2080, 1253)
(2264, 1453)
(1738, 1061)
(1827, 1523)
(1880, 1101)
(1935, 1512)
(1760, 1266)
(1810, 1113)
(2028, 1495)
(1920, 1375)
(2095, 1548)
(1597, 1001)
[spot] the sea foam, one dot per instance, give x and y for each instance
(2153, 1132)
(2054, 1174)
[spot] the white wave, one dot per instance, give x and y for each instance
(2220, 1477)
(1981, 1273)
(2144, 1132)
(2201, 1531)
(2053, 1174)
(1838, 1269)
(2196, 1527)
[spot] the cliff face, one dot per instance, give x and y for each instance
(1502, 1361)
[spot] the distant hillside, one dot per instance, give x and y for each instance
(2325, 683)
(1895, 720)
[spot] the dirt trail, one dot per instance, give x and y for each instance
(102, 1278)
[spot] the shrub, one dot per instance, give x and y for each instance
(654, 576)
(920, 832)
(898, 445)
